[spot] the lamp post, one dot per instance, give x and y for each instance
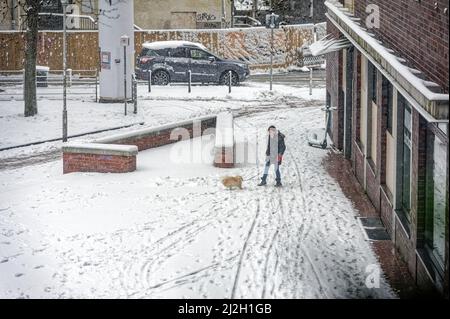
(64, 4)
(125, 42)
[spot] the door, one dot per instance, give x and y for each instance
(178, 62)
(203, 66)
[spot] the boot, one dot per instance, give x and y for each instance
(278, 184)
(263, 181)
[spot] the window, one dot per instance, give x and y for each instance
(406, 160)
(388, 93)
(372, 82)
(350, 4)
(199, 54)
(436, 201)
(88, 6)
(178, 53)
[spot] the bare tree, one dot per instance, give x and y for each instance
(31, 9)
(30, 23)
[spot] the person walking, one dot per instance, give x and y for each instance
(274, 155)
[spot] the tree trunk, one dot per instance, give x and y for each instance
(30, 58)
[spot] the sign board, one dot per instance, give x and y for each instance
(124, 41)
(106, 60)
(272, 21)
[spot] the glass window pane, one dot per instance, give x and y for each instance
(439, 190)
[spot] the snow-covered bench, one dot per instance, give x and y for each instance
(224, 145)
(117, 153)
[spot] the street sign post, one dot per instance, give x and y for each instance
(272, 22)
(125, 42)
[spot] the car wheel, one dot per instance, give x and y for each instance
(225, 78)
(160, 77)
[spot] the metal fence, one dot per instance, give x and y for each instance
(50, 84)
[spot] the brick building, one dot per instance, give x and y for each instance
(390, 88)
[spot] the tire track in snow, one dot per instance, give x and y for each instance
(244, 248)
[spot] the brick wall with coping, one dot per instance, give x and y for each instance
(91, 157)
(117, 153)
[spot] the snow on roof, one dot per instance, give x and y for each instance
(407, 73)
(327, 45)
(224, 130)
(158, 45)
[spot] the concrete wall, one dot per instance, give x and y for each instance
(181, 14)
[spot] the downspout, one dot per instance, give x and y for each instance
(223, 14)
(13, 14)
(232, 13)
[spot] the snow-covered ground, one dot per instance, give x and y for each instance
(161, 106)
(170, 229)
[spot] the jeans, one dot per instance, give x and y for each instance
(276, 167)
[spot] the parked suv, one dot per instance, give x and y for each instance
(170, 61)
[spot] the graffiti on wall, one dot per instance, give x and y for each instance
(202, 17)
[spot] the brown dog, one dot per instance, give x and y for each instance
(232, 181)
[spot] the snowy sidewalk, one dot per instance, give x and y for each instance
(171, 230)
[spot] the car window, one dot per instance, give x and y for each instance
(199, 54)
(178, 53)
(162, 52)
(148, 52)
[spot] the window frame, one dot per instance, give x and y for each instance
(433, 134)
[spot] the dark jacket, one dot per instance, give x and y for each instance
(281, 145)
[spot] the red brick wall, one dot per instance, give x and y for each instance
(417, 31)
(373, 187)
(224, 157)
(386, 210)
(162, 137)
(359, 163)
(76, 162)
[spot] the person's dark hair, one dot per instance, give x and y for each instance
(271, 127)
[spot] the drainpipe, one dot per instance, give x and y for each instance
(223, 14)
(254, 8)
(13, 14)
(232, 13)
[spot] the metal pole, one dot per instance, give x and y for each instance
(229, 81)
(149, 72)
(125, 77)
(135, 94)
(96, 85)
(310, 80)
(189, 80)
(271, 58)
(64, 76)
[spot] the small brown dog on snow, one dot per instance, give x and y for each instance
(232, 181)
